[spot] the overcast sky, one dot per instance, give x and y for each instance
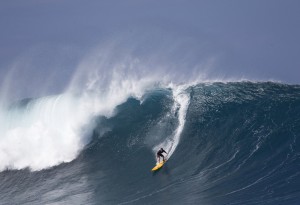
(254, 39)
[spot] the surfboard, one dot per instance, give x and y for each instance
(158, 166)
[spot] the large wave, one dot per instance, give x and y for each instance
(95, 142)
(46, 131)
(228, 143)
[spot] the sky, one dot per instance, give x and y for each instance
(42, 42)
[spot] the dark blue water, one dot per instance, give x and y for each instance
(240, 145)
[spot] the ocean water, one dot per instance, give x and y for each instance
(228, 143)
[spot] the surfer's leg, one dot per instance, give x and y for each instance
(161, 155)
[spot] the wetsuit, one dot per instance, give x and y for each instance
(159, 153)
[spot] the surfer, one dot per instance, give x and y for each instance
(160, 154)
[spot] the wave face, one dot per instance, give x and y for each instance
(229, 143)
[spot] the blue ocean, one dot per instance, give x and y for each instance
(228, 143)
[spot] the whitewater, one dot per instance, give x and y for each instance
(48, 131)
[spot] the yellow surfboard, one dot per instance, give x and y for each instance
(158, 166)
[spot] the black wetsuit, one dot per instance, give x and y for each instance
(159, 153)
